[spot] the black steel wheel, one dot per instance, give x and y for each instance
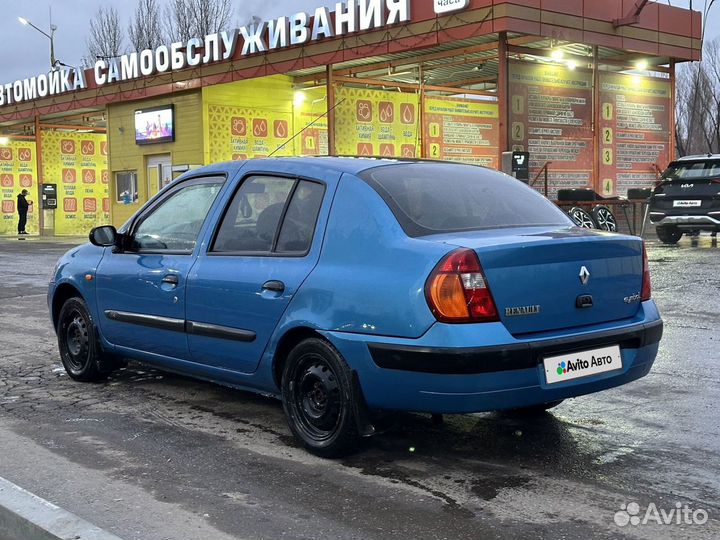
(582, 218)
(604, 218)
(318, 399)
(669, 235)
(79, 350)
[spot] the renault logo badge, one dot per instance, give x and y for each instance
(584, 275)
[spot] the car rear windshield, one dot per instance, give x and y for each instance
(431, 198)
(692, 169)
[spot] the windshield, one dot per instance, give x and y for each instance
(430, 198)
(692, 169)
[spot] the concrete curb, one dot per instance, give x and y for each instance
(25, 516)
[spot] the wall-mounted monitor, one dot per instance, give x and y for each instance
(156, 125)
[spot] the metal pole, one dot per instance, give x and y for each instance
(420, 152)
(502, 93)
(40, 176)
(597, 182)
(332, 150)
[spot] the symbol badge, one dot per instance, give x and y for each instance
(584, 275)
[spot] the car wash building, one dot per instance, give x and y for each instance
(586, 88)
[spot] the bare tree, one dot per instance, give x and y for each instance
(106, 38)
(186, 19)
(145, 29)
(697, 126)
(178, 21)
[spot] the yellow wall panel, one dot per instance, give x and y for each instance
(18, 171)
(77, 163)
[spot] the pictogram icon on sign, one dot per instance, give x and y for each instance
(67, 146)
(69, 176)
(88, 176)
(407, 113)
(364, 110)
(70, 204)
(280, 128)
(260, 127)
(387, 112)
(87, 148)
(238, 126)
(387, 150)
(364, 149)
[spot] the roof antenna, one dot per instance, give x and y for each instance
(283, 145)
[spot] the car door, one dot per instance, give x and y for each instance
(266, 244)
(141, 288)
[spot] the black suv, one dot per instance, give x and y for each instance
(687, 199)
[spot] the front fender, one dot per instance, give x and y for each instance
(75, 274)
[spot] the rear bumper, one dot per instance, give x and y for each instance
(707, 221)
(525, 355)
(440, 377)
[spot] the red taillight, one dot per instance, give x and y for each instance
(457, 290)
(646, 290)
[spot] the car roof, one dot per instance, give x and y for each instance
(352, 165)
(699, 157)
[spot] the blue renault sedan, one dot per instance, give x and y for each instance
(348, 287)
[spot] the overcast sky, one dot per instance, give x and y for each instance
(27, 52)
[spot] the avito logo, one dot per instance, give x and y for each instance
(579, 364)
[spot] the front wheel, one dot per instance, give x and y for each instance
(317, 396)
(669, 235)
(80, 351)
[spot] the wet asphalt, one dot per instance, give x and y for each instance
(153, 455)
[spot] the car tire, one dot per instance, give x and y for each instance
(318, 399)
(576, 194)
(533, 410)
(582, 218)
(604, 218)
(80, 351)
(668, 235)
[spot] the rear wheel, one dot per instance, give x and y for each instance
(669, 235)
(80, 351)
(318, 399)
(604, 218)
(582, 218)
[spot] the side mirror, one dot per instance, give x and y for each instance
(103, 236)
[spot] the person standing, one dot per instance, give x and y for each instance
(22, 206)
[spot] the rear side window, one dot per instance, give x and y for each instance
(692, 169)
(270, 215)
(431, 198)
(299, 224)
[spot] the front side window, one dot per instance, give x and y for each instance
(270, 215)
(174, 225)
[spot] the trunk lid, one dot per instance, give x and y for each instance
(535, 275)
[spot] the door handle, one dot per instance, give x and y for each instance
(170, 279)
(274, 286)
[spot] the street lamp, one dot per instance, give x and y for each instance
(50, 36)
